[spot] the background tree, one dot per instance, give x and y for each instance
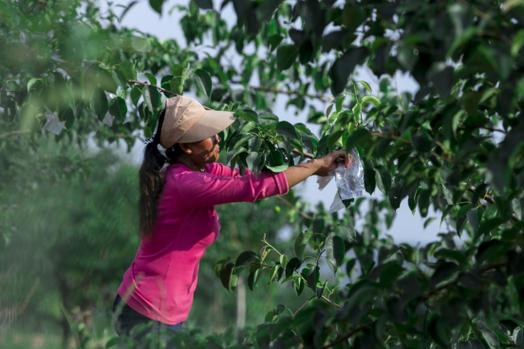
(455, 145)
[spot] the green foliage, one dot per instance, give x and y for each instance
(456, 146)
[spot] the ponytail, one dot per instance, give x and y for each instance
(151, 180)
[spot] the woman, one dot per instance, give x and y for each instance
(178, 221)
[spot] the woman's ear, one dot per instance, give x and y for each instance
(185, 148)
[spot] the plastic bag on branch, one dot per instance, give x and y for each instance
(350, 182)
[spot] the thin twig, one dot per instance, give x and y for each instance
(271, 246)
(303, 153)
(286, 92)
(331, 302)
(491, 200)
(391, 136)
(492, 129)
(344, 337)
(145, 83)
(301, 306)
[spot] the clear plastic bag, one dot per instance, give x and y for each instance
(350, 182)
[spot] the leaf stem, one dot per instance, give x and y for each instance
(271, 246)
(329, 301)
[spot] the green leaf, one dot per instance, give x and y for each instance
(445, 273)
(287, 130)
(156, 98)
(298, 282)
(276, 274)
(34, 84)
(383, 179)
(276, 161)
(126, 71)
(437, 332)
(152, 98)
(491, 252)
(205, 4)
(489, 225)
(423, 201)
(245, 257)
(344, 66)
(369, 177)
(135, 94)
(253, 278)
(329, 141)
(225, 274)
(489, 336)
(359, 294)
(247, 115)
(100, 103)
(353, 15)
(293, 264)
(311, 277)
(339, 249)
(334, 40)
(443, 81)
(452, 255)
(350, 265)
(118, 108)
(180, 75)
(406, 56)
(151, 78)
(370, 100)
(300, 244)
(286, 56)
(357, 138)
(517, 43)
(104, 80)
(166, 82)
(389, 272)
(156, 5)
(113, 342)
(366, 86)
(205, 80)
(412, 199)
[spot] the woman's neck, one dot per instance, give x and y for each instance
(187, 161)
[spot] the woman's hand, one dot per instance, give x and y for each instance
(330, 161)
(321, 167)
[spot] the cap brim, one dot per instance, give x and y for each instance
(211, 123)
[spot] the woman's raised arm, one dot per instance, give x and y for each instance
(321, 167)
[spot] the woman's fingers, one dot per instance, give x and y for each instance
(341, 156)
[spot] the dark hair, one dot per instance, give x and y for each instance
(151, 181)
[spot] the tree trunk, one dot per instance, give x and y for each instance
(66, 332)
(241, 304)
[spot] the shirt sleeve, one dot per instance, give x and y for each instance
(201, 189)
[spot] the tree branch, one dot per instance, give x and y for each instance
(275, 90)
(145, 83)
(305, 153)
(344, 337)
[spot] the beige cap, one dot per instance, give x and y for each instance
(186, 121)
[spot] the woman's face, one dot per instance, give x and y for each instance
(205, 151)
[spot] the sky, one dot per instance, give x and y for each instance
(407, 227)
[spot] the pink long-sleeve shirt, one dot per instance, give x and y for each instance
(162, 278)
